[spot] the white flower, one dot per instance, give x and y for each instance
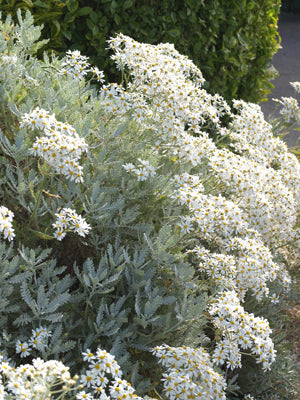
(23, 348)
(143, 171)
(88, 379)
(6, 218)
(82, 395)
(296, 86)
(240, 328)
(189, 373)
(290, 110)
(99, 74)
(88, 355)
(129, 167)
(186, 224)
(75, 65)
(39, 338)
(68, 220)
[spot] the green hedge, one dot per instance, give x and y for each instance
(232, 42)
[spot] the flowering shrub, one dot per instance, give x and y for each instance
(141, 214)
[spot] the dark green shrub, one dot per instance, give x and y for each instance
(232, 42)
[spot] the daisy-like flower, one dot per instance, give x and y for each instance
(39, 338)
(75, 65)
(68, 220)
(6, 218)
(143, 171)
(290, 110)
(79, 225)
(129, 167)
(120, 388)
(186, 224)
(23, 348)
(38, 119)
(99, 74)
(189, 373)
(240, 328)
(88, 355)
(88, 379)
(296, 86)
(82, 395)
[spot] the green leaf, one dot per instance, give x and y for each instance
(43, 235)
(28, 3)
(67, 34)
(72, 5)
(128, 4)
(84, 11)
(41, 4)
(117, 19)
(93, 17)
(57, 25)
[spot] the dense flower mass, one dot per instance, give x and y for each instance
(190, 374)
(104, 378)
(249, 265)
(240, 329)
(61, 147)
(34, 381)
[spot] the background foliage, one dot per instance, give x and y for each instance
(232, 42)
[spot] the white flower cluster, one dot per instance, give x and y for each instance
(6, 228)
(290, 110)
(245, 201)
(77, 66)
(270, 206)
(296, 86)
(143, 171)
(240, 329)
(215, 216)
(34, 381)
(171, 100)
(103, 378)
(249, 266)
(67, 220)
(166, 93)
(38, 340)
(61, 146)
(189, 374)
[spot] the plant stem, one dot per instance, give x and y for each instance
(38, 199)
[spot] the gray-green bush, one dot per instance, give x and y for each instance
(135, 212)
